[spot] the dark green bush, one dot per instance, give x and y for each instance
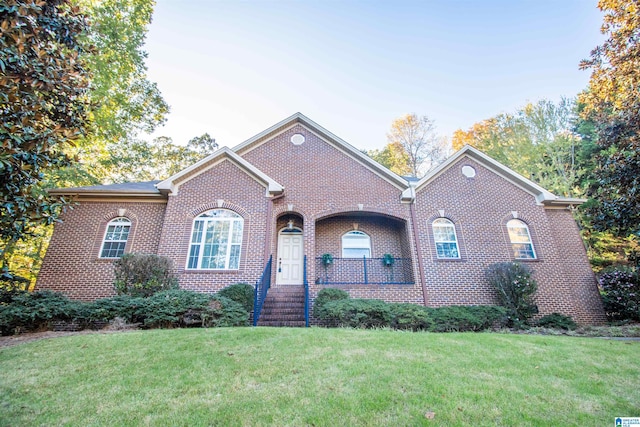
(122, 306)
(515, 288)
(326, 295)
(30, 311)
(357, 313)
(242, 293)
(410, 317)
(467, 318)
(557, 321)
(177, 308)
(620, 290)
(142, 275)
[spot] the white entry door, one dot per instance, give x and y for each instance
(290, 260)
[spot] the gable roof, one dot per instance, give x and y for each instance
(339, 143)
(127, 189)
(541, 195)
(172, 184)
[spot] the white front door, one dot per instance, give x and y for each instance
(290, 260)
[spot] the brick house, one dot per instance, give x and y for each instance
(296, 192)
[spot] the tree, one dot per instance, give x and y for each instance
(394, 157)
(417, 136)
(612, 102)
(44, 108)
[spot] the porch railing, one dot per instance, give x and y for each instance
(367, 271)
(262, 287)
(306, 294)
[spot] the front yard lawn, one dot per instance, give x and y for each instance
(318, 377)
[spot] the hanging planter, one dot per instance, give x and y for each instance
(388, 260)
(327, 259)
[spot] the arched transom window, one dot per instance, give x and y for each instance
(216, 240)
(520, 240)
(115, 238)
(356, 244)
(444, 235)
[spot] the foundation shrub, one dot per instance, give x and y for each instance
(620, 290)
(124, 307)
(467, 318)
(357, 313)
(142, 275)
(410, 317)
(557, 321)
(327, 295)
(242, 293)
(24, 311)
(515, 287)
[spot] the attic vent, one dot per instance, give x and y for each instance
(297, 139)
(468, 171)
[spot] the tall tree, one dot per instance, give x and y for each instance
(417, 135)
(612, 102)
(394, 157)
(43, 104)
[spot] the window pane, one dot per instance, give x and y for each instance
(520, 240)
(356, 253)
(115, 238)
(216, 240)
(444, 235)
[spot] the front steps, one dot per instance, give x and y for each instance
(284, 306)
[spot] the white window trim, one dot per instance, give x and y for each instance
(348, 246)
(119, 221)
(521, 225)
(449, 224)
(201, 244)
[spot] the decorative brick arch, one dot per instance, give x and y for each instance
(216, 205)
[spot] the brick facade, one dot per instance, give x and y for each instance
(330, 189)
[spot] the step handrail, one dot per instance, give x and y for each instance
(306, 294)
(260, 292)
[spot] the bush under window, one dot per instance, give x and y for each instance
(142, 275)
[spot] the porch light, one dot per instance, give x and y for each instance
(290, 224)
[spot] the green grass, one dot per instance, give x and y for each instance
(319, 377)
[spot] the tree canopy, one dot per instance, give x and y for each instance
(44, 107)
(612, 103)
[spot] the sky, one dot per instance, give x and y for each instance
(234, 68)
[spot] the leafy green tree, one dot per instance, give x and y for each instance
(394, 157)
(44, 108)
(612, 102)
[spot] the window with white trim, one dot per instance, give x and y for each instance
(520, 240)
(215, 241)
(115, 238)
(356, 244)
(444, 235)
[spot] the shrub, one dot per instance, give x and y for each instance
(326, 295)
(410, 316)
(357, 313)
(557, 321)
(122, 306)
(515, 288)
(620, 290)
(29, 311)
(142, 275)
(467, 318)
(241, 293)
(176, 308)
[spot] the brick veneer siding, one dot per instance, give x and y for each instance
(322, 181)
(73, 265)
(480, 208)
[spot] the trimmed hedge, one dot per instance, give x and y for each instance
(326, 295)
(557, 321)
(242, 293)
(357, 313)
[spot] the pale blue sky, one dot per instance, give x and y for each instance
(234, 68)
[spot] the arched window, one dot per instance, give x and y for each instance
(356, 244)
(115, 238)
(444, 235)
(520, 240)
(216, 240)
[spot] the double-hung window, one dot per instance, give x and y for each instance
(520, 238)
(115, 238)
(444, 235)
(216, 240)
(356, 244)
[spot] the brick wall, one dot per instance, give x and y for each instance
(72, 264)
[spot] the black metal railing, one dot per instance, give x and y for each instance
(367, 271)
(306, 294)
(262, 287)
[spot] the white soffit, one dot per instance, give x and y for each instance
(172, 184)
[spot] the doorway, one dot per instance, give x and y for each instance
(290, 260)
